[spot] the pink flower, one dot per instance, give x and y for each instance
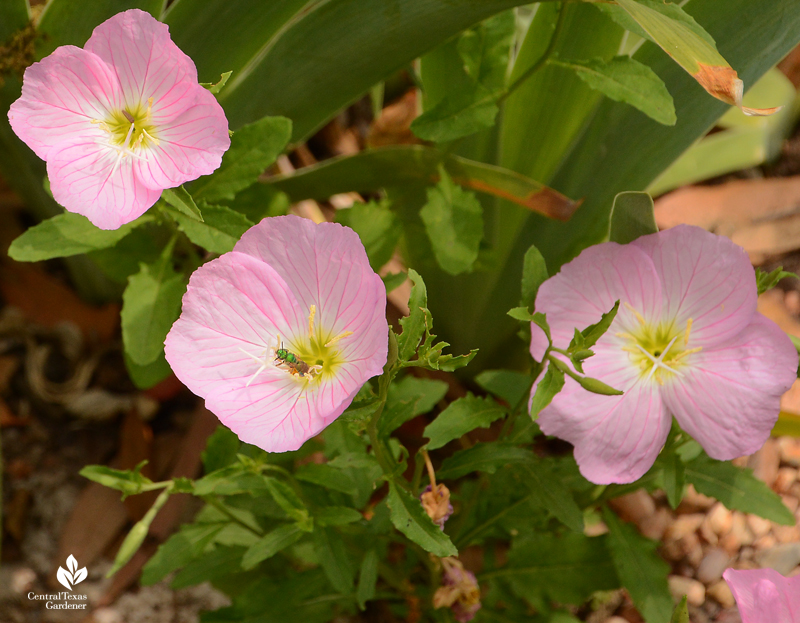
(765, 596)
(459, 591)
(280, 334)
(687, 342)
(119, 120)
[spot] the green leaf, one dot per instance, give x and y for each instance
(67, 234)
(632, 216)
(460, 417)
(221, 449)
(130, 482)
(335, 561)
(552, 382)
(253, 148)
(377, 227)
(764, 281)
(681, 614)
(673, 477)
(417, 166)
(138, 533)
(14, 15)
(180, 199)
(410, 518)
(367, 578)
(482, 457)
(640, 569)
(392, 281)
(534, 274)
(289, 501)
(408, 399)
(521, 313)
(507, 385)
(544, 566)
(485, 49)
(625, 79)
(737, 489)
(220, 230)
(337, 516)
(413, 324)
(150, 304)
(216, 88)
(550, 493)
(595, 386)
(326, 476)
(213, 565)
(594, 332)
(150, 374)
(459, 114)
(453, 219)
(272, 543)
(181, 548)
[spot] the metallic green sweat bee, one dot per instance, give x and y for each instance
(288, 358)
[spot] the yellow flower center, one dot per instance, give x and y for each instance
(131, 129)
(318, 349)
(658, 350)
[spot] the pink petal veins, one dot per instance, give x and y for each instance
(706, 278)
(61, 97)
(729, 397)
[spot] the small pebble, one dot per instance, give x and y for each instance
(787, 476)
(654, 526)
(635, 506)
(720, 519)
(721, 593)
(783, 558)
(679, 586)
(758, 525)
(713, 564)
(683, 525)
(22, 580)
(766, 461)
(790, 450)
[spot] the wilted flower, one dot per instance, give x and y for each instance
(687, 342)
(280, 334)
(765, 596)
(119, 120)
(459, 591)
(437, 504)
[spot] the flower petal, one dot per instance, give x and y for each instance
(189, 145)
(147, 62)
(729, 396)
(706, 278)
(589, 285)
(764, 595)
(325, 265)
(61, 95)
(86, 178)
(616, 438)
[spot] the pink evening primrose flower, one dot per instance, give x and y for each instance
(765, 596)
(119, 120)
(687, 342)
(280, 334)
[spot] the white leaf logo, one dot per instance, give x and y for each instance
(74, 576)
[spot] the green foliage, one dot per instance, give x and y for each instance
(640, 569)
(130, 482)
(271, 543)
(461, 114)
(552, 382)
(534, 274)
(254, 147)
(737, 489)
(150, 304)
(67, 234)
(632, 216)
(367, 578)
(681, 613)
(378, 229)
(764, 281)
(482, 457)
(625, 79)
(507, 385)
(220, 229)
(453, 219)
(183, 203)
(460, 417)
(410, 518)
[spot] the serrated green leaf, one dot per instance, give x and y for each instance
(220, 230)
(552, 382)
(410, 518)
(624, 79)
(367, 578)
(65, 235)
(482, 457)
(460, 417)
(534, 274)
(215, 88)
(413, 324)
(485, 49)
(253, 148)
(640, 569)
(377, 227)
(737, 489)
(632, 215)
(508, 385)
(180, 199)
(459, 114)
(453, 220)
(270, 544)
(550, 493)
(150, 304)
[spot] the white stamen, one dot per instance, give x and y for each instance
(262, 365)
(658, 362)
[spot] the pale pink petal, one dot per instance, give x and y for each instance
(706, 278)
(61, 95)
(729, 396)
(589, 285)
(616, 438)
(325, 265)
(189, 145)
(765, 596)
(147, 62)
(87, 178)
